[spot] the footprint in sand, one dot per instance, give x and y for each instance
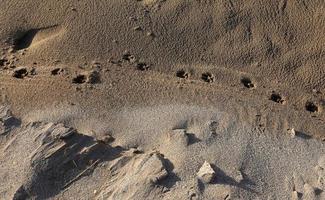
(57, 71)
(91, 77)
(128, 57)
(247, 82)
(311, 107)
(20, 73)
(182, 74)
(79, 79)
(276, 97)
(142, 66)
(208, 77)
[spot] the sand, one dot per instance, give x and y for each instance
(162, 99)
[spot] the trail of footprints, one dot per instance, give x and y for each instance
(93, 76)
(276, 97)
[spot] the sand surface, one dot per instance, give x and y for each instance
(162, 99)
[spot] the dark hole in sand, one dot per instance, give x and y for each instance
(311, 107)
(182, 74)
(79, 79)
(208, 77)
(20, 73)
(247, 82)
(2, 62)
(142, 66)
(128, 57)
(56, 71)
(277, 98)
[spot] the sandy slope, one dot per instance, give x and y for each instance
(143, 157)
(234, 76)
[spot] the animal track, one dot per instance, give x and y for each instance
(247, 82)
(79, 79)
(91, 77)
(57, 71)
(128, 57)
(182, 74)
(277, 98)
(142, 66)
(20, 73)
(311, 107)
(208, 77)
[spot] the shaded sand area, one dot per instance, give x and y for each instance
(162, 99)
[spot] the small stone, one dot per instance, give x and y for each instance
(106, 139)
(133, 18)
(321, 162)
(95, 191)
(151, 34)
(62, 132)
(321, 180)
(179, 137)
(11, 50)
(95, 62)
(309, 191)
(318, 168)
(239, 177)
(316, 91)
(137, 28)
(33, 72)
(292, 132)
(295, 195)
(206, 173)
(67, 134)
(165, 189)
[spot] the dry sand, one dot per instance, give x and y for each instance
(162, 99)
